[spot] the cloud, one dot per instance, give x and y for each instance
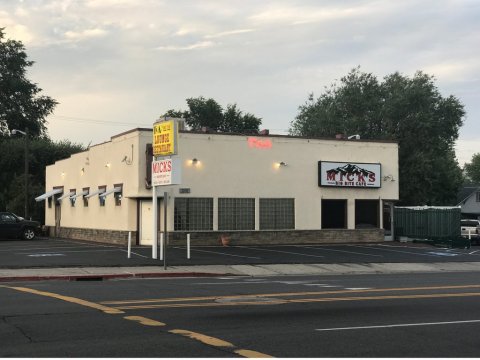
(85, 34)
(229, 33)
(197, 45)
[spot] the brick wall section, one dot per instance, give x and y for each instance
(236, 238)
(96, 235)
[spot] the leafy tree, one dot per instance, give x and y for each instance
(472, 169)
(21, 105)
(408, 110)
(208, 113)
(42, 152)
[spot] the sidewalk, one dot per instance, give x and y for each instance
(105, 273)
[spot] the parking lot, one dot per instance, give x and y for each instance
(49, 252)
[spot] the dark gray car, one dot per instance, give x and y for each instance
(13, 226)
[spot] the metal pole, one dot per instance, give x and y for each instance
(165, 237)
(188, 246)
(26, 174)
(155, 222)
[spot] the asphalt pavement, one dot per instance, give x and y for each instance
(51, 258)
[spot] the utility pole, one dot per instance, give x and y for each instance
(25, 134)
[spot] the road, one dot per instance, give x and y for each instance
(388, 315)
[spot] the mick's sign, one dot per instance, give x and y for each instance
(344, 174)
(166, 172)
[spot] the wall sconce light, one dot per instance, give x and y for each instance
(107, 165)
(63, 174)
(282, 163)
(388, 178)
(82, 170)
(194, 161)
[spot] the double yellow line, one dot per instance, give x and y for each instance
(287, 297)
(208, 340)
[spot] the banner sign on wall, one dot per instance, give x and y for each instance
(166, 172)
(343, 174)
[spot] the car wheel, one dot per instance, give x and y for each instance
(28, 234)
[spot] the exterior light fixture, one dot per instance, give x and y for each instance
(356, 137)
(282, 163)
(194, 161)
(82, 170)
(107, 165)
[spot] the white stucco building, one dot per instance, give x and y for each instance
(257, 188)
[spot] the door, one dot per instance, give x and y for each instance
(146, 222)
(58, 216)
(388, 220)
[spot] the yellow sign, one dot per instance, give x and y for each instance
(165, 138)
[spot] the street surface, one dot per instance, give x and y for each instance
(45, 252)
(388, 315)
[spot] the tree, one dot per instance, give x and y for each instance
(208, 113)
(21, 105)
(42, 152)
(408, 110)
(472, 169)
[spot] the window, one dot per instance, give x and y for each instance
(236, 214)
(118, 194)
(334, 214)
(367, 214)
(193, 214)
(86, 191)
(277, 214)
(101, 198)
(73, 197)
(478, 196)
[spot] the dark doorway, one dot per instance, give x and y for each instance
(366, 214)
(334, 214)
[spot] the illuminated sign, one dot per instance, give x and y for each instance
(341, 174)
(255, 143)
(165, 138)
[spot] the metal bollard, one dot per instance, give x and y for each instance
(188, 246)
(129, 251)
(161, 246)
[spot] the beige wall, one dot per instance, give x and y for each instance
(227, 167)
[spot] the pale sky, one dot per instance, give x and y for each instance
(114, 65)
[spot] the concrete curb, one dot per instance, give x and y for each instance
(99, 273)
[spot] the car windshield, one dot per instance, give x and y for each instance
(469, 223)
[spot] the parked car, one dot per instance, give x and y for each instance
(470, 227)
(13, 226)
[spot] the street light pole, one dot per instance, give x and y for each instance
(25, 134)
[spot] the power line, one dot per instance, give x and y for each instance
(97, 121)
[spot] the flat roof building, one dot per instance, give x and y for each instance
(254, 188)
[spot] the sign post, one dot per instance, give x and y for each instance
(166, 170)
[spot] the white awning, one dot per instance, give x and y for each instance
(48, 194)
(93, 193)
(66, 195)
(83, 193)
(114, 190)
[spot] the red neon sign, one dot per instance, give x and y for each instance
(259, 144)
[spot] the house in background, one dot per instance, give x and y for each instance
(469, 199)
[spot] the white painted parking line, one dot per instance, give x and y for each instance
(44, 248)
(400, 325)
(279, 251)
(42, 255)
(222, 253)
(336, 250)
(397, 251)
(76, 251)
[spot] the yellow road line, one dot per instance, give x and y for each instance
(209, 340)
(203, 298)
(308, 300)
(105, 309)
(251, 354)
(144, 321)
